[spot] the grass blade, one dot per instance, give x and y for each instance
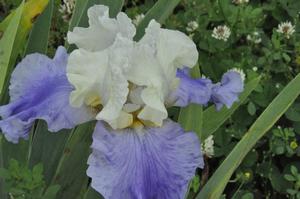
(47, 148)
(215, 186)
(37, 43)
(7, 55)
(41, 148)
(7, 44)
(4, 24)
(19, 23)
(2, 193)
(15, 35)
(74, 161)
(92, 194)
(38, 39)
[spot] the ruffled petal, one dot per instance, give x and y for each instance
(190, 90)
(145, 163)
(227, 91)
(154, 110)
(115, 82)
(156, 59)
(99, 78)
(173, 48)
(102, 30)
(39, 89)
(86, 72)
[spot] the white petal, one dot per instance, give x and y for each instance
(135, 95)
(129, 108)
(115, 81)
(101, 76)
(102, 30)
(86, 72)
(122, 121)
(115, 95)
(154, 110)
(176, 49)
(125, 25)
(156, 59)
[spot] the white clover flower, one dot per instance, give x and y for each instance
(279, 127)
(249, 38)
(137, 19)
(254, 37)
(240, 71)
(238, 2)
(67, 9)
(208, 146)
(192, 26)
(254, 68)
(221, 33)
(286, 28)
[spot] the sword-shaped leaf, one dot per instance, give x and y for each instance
(215, 186)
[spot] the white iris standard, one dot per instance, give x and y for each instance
(126, 82)
(100, 82)
(156, 59)
(102, 30)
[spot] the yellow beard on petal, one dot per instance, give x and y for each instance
(95, 103)
(137, 123)
(149, 123)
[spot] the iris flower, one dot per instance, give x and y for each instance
(127, 86)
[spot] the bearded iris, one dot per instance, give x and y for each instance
(137, 152)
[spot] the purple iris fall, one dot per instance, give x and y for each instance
(39, 89)
(137, 152)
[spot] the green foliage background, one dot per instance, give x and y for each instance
(256, 141)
